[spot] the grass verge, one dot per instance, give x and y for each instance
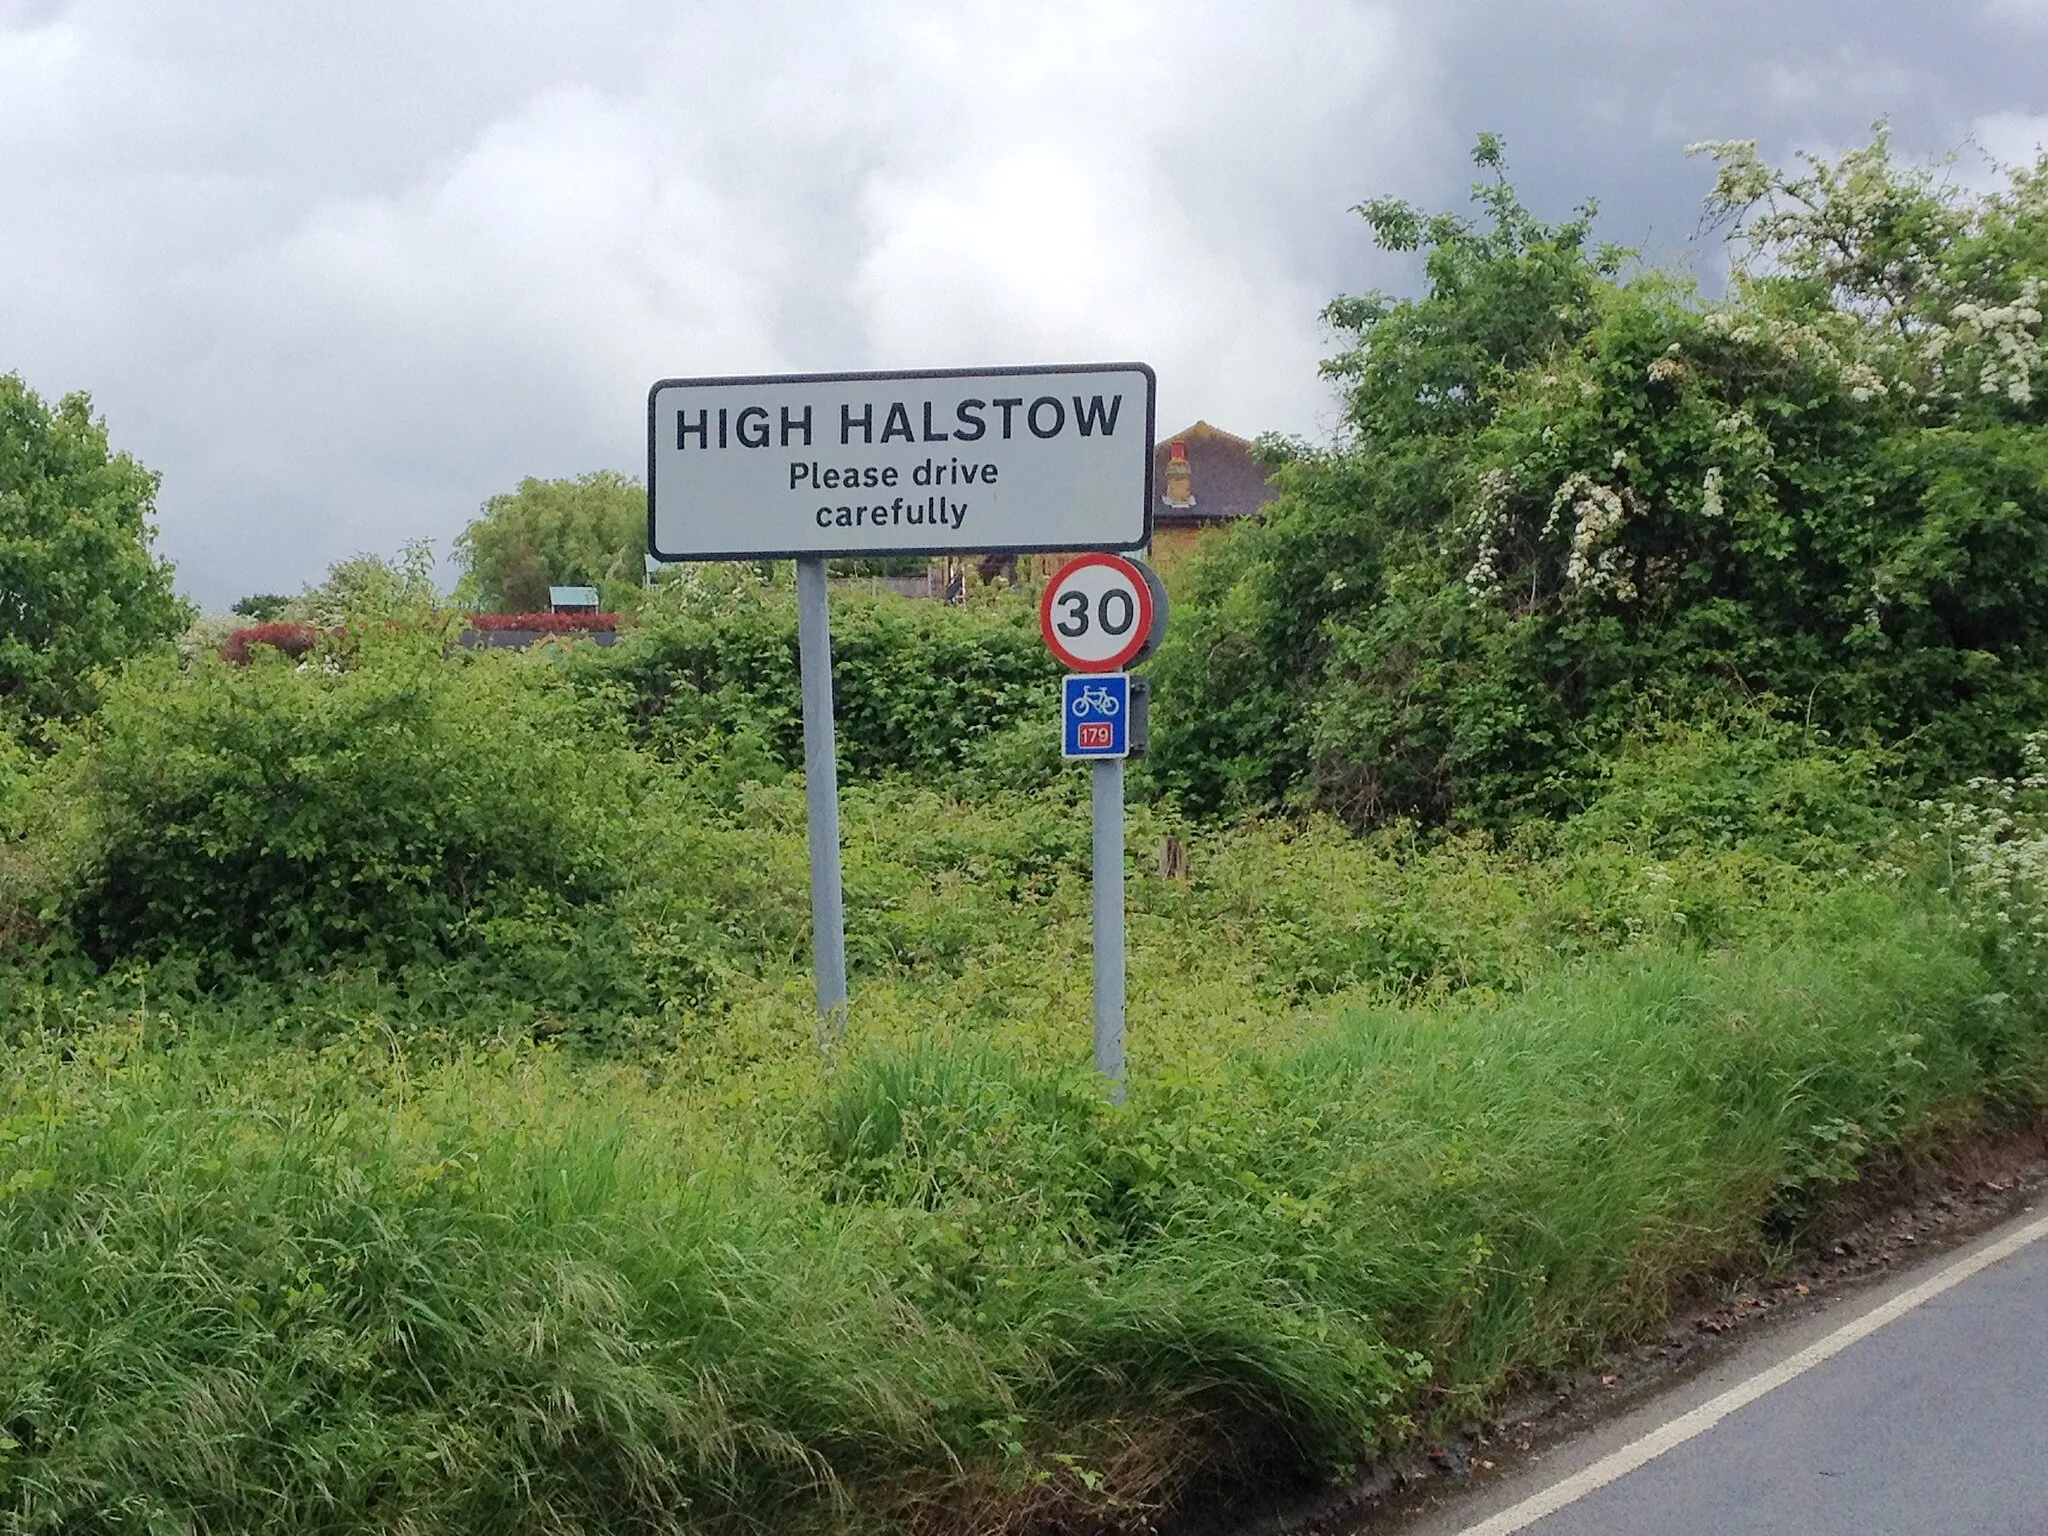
(447, 1288)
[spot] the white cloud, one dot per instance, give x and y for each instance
(1154, 207)
(342, 273)
(321, 367)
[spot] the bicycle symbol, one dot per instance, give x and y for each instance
(1094, 701)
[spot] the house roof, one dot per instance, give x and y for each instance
(1226, 482)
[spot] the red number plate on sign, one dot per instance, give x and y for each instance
(1095, 733)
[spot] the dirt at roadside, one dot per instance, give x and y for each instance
(1894, 1216)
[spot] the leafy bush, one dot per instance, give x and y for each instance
(1991, 837)
(368, 588)
(916, 685)
(1741, 778)
(274, 816)
(1574, 502)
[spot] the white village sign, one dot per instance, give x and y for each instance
(1008, 460)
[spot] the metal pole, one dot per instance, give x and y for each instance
(821, 791)
(1109, 922)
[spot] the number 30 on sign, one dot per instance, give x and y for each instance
(1097, 613)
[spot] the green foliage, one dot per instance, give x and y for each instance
(261, 607)
(1575, 501)
(280, 814)
(916, 685)
(881, 565)
(1991, 838)
(80, 586)
(1707, 836)
(445, 1139)
(1500, 298)
(369, 588)
(456, 1299)
(589, 531)
(1748, 780)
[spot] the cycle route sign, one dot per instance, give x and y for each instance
(1096, 711)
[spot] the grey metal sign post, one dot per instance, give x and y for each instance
(940, 462)
(1108, 875)
(821, 791)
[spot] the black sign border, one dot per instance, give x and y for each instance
(1037, 370)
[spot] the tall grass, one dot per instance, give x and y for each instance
(255, 1290)
(408, 1286)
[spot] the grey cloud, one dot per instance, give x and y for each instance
(1598, 97)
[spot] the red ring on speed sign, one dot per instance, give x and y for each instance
(1063, 584)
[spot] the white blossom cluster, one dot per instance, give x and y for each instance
(1838, 222)
(1863, 381)
(1597, 564)
(1919, 362)
(2011, 334)
(1487, 527)
(1903, 324)
(1997, 835)
(1842, 350)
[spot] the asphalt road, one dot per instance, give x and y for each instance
(1934, 1422)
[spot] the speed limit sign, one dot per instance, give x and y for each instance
(1097, 612)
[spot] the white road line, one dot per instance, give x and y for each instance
(1620, 1463)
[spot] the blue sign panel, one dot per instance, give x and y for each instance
(1095, 715)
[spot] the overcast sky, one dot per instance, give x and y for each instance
(341, 271)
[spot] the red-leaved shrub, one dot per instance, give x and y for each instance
(545, 623)
(292, 639)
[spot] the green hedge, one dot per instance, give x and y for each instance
(916, 685)
(280, 814)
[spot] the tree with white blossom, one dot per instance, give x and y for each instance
(1576, 493)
